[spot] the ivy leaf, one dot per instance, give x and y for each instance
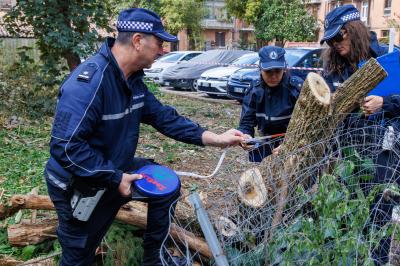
(345, 170)
(27, 252)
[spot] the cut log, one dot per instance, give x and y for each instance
(9, 261)
(24, 234)
(251, 188)
(134, 213)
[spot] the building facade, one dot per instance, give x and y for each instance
(219, 31)
(378, 15)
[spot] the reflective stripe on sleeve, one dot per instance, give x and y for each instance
(121, 115)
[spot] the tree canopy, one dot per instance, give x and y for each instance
(63, 29)
(281, 20)
(70, 29)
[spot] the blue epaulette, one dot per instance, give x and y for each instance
(87, 72)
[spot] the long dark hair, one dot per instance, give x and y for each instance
(359, 49)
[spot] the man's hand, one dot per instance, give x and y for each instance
(126, 183)
(231, 137)
(372, 104)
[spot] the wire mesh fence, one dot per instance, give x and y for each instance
(330, 202)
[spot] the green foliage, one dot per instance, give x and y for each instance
(331, 231)
(252, 258)
(63, 29)
(183, 14)
(153, 88)
(284, 21)
(125, 247)
(23, 154)
(279, 20)
(27, 252)
(244, 9)
(153, 5)
(25, 90)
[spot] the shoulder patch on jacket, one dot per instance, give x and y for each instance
(296, 82)
(87, 72)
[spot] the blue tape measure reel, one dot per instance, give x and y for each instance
(158, 181)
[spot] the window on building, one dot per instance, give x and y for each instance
(384, 33)
(387, 10)
(364, 12)
(5, 4)
(209, 14)
(220, 39)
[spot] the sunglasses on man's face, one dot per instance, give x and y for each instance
(337, 38)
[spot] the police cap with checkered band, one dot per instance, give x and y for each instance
(145, 21)
(335, 20)
(272, 57)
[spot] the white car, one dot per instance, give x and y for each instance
(214, 81)
(155, 72)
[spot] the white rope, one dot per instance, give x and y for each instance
(221, 159)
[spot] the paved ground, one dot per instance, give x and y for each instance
(199, 96)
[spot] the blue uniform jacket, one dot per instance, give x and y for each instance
(270, 109)
(96, 125)
(391, 103)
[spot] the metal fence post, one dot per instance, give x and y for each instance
(208, 230)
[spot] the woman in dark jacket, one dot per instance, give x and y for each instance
(350, 42)
(269, 104)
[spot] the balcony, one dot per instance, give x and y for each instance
(216, 24)
(312, 1)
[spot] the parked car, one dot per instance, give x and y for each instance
(306, 58)
(155, 72)
(185, 74)
(214, 81)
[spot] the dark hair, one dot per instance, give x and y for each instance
(359, 36)
(124, 37)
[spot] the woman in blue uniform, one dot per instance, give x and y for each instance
(269, 104)
(350, 42)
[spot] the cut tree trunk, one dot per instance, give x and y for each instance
(134, 213)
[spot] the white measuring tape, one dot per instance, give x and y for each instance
(222, 157)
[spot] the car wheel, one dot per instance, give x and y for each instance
(194, 85)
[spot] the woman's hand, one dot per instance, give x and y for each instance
(245, 145)
(372, 104)
(276, 150)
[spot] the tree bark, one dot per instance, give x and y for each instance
(9, 261)
(134, 213)
(24, 234)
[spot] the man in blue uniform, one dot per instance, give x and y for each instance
(269, 105)
(95, 133)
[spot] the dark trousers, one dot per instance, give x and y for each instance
(381, 209)
(79, 240)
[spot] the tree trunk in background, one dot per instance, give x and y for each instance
(73, 60)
